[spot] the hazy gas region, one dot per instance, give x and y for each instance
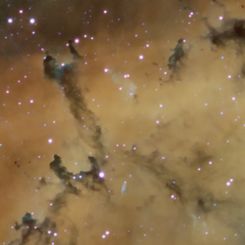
(122, 122)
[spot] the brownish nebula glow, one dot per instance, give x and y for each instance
(168, 142)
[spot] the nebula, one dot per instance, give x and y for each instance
(122, 122)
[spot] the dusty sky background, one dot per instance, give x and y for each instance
(156, 128)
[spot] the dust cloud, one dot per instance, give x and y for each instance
(170, 145)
